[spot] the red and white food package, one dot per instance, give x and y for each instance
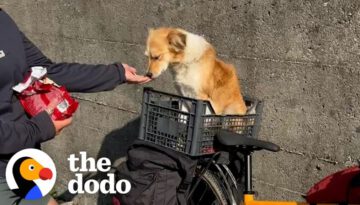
(38, 93)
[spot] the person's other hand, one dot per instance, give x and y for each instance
(61, 124)
(132, 77)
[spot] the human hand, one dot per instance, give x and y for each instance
(61, 124)
(132, 77)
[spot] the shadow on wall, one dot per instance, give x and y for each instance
(114, 147)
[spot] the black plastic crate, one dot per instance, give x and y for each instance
(188, 125)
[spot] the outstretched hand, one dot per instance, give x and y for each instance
(132, 77)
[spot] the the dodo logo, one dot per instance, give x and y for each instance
(31, 174)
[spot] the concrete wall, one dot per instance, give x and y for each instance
(301, 57)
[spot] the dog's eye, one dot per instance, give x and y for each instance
(155, 57)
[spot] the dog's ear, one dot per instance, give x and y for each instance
(177, 41)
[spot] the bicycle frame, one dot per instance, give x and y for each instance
(249, 198)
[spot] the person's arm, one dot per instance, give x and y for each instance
(15, 136)
(76, 77)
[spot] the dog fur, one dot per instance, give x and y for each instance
(197, 71)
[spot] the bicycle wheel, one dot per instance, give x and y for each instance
(209, 191)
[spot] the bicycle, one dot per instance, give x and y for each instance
(189, 126)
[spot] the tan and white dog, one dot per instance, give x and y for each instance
(197, 71)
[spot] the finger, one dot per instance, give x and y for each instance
(145, 81)
(141, 79)
(68, 121)
(65, 122)
(132, 69)
(129, 68)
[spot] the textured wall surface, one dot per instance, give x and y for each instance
(301, 57)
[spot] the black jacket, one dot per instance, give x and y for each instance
(17, 56)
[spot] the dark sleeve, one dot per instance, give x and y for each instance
(76, 77)
(15, 136)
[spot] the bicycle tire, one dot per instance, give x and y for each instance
(215, 185)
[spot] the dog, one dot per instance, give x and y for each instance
(197, 71)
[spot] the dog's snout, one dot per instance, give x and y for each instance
(149, 74)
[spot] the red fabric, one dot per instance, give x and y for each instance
(39, 97)
(115, 201)
(336, 188)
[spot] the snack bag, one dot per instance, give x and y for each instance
(38, 93)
